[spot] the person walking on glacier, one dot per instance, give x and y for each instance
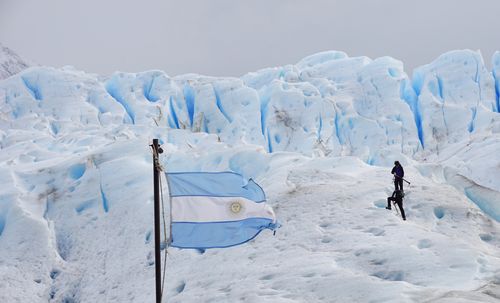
(398, 173)
(397, 197)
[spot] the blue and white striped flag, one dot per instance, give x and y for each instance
(215, 210)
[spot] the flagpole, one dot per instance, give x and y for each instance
(156, 181)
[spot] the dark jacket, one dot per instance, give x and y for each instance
(398, 170)
(398, 195)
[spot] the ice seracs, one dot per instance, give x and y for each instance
(456, 97)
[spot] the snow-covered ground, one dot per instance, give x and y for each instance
(319, 136)
(338, 243)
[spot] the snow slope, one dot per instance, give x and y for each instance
(10, 62)
(319, 136)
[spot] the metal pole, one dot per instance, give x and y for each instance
(156, 180)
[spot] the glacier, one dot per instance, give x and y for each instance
(319, 135)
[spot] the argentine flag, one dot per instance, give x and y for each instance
(215, 210)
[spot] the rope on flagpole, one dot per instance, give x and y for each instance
(166, 241)
(164, 235)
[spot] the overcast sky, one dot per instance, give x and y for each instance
(232, 37)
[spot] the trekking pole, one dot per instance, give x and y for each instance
(395, 207)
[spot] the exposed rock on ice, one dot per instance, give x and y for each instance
(10, 62)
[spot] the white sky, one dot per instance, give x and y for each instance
(232, 37)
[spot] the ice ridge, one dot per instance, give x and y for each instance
(348, 106)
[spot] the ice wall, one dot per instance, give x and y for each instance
(456, 97)
(327, 103)
(496, 75)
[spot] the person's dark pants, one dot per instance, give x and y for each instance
(398, 183)
(399, 202)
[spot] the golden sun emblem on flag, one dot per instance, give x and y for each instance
(236, 207)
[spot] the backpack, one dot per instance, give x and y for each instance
(400, 194)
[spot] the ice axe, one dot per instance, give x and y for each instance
(402, 179)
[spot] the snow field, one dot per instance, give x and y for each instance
(339, 242)
(92, 242)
